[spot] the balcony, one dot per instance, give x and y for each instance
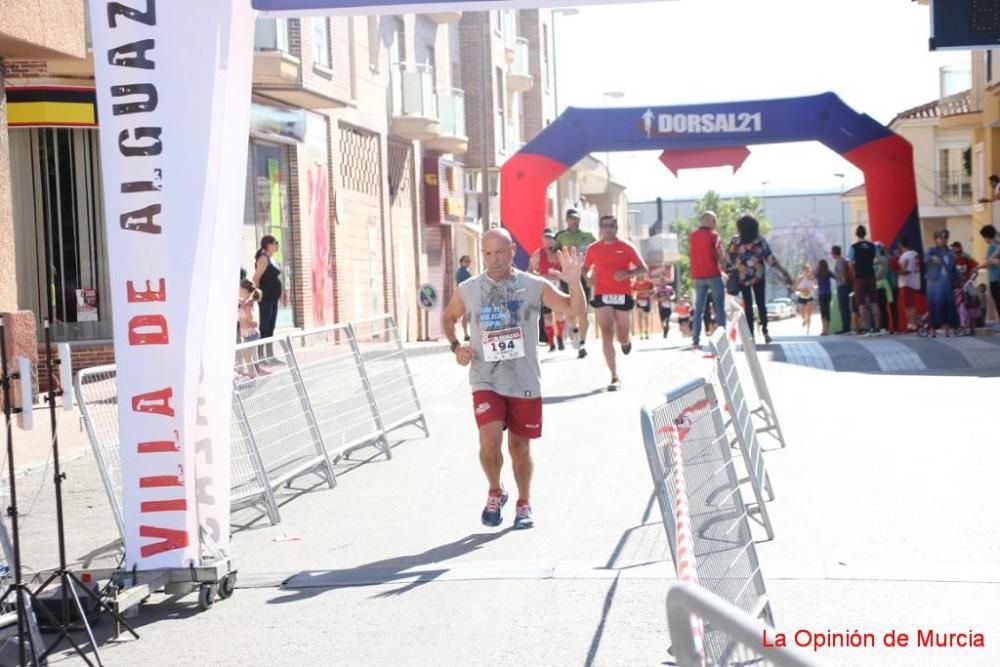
(277, 72)
(444, 17)
(954, 188)
(453, 137)
(414, 102)
(519, 76)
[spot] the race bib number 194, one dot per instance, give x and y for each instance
(503, 344)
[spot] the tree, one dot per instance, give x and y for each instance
(727, 212)
(802, 242)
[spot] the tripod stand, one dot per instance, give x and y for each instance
(67, 581)
(27, 632)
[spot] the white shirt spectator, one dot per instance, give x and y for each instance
(910, 262)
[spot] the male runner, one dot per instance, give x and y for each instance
(504, 304)
(572, 237)
(614, 263)
(543, 263)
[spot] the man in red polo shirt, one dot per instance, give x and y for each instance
(707, 260)
(614, 262)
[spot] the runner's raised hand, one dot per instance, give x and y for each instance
(571, 263)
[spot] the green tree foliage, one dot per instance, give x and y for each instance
(727, 211)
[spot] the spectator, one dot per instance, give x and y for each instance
(993, 200)
(842, 274)
(885, 283)
(909, 282)
(989, 232)
(247, 314)
(267, 276)
(824, 294)
(862, 258)
(707, 260)
(805, 293)
(748, 254)
(941, 273)
(461, 275)
(964, 261)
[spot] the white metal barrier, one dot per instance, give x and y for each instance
(330, 365)
(765, 412)
(272, 402)
(725, 555)
(96, 391)
(739, 635)
(388, 373)
(297, 401)
(746, 436)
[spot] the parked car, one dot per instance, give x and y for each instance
(780, 309)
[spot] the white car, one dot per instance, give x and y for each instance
(780, 309)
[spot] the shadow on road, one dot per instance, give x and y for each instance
(553, 400)
(309, 584)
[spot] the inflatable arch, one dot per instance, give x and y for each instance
(885, 157)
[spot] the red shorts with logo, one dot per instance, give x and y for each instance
(523, 416)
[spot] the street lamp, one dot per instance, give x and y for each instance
(568, 11)
(843, 223)
(610, 95)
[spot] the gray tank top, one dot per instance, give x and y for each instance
(507, 313)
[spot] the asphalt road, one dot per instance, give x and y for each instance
(885, 518)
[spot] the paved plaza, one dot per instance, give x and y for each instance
(884, 517)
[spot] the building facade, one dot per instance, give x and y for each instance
(371, 140)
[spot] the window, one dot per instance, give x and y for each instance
(270, 35)
(988, 57)
(373, 50)
(954, 166)
(545, 56)
(500, 132)
(321, 41)
(398, 54)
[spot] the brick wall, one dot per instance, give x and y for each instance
(471, 48)
(82, 355)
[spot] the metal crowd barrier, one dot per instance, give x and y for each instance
(725, 556)
(388, 373)
(765, 411)
(689, 605)
(746, 436)
(297, 402)
(332, 371)
(273, 405)
(97, 395)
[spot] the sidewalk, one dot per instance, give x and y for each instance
(884, 518)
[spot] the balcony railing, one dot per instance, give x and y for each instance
(451, 105)
(954, 187)
(413, 91)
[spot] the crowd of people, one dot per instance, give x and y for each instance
(501, 311)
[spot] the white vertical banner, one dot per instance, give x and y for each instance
(173, 92)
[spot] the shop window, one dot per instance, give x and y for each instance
(268, 211)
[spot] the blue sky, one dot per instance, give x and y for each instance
(872, 53)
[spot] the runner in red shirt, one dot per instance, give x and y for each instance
(613, 264)
(544, 263)
(644, 304)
